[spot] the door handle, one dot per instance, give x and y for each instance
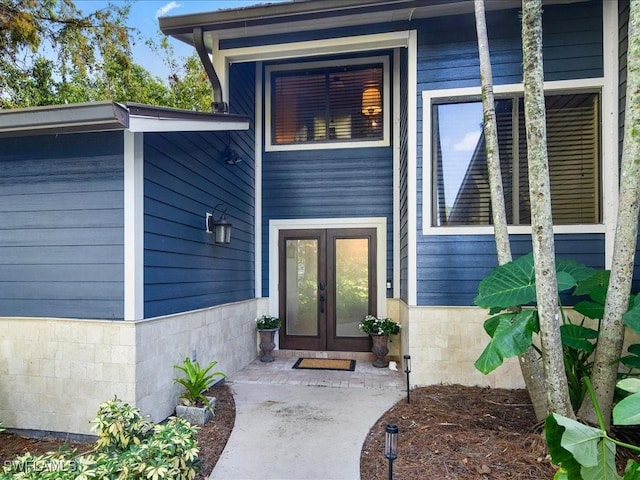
(321, 298)
(321, 286)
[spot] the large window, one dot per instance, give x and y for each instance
(327, 103)
(460, 179)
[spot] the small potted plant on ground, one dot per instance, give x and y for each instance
(195, 406)
(267, 327)
(379, 330)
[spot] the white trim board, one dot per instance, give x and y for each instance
(133, 225)
(379, 223)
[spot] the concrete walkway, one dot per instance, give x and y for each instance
(302, 431)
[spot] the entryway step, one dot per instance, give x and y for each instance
(361, 356)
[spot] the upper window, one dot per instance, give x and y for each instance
(328, 104)
(460, 179)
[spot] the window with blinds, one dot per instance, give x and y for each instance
(339, 104)
(461, 190)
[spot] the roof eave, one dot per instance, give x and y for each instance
(112, 116)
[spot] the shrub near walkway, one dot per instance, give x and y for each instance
(211, 440)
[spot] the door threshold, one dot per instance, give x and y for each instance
(362, 356)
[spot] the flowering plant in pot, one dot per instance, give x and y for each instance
(379, 328)
(195, 406)
(267, 327)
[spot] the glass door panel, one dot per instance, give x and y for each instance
(302, 286)
(352, 285)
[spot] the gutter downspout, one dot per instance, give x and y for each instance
(219, 105)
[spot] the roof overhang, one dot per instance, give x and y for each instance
(308, 15)
(109, 116)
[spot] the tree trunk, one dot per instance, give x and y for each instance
(610, 341)
(529, 365)
(541, 218)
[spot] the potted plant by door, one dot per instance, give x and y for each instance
(379, 329)
(195, 406)
(267, 327)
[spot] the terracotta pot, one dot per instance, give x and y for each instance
(380, 350)
(267, 344)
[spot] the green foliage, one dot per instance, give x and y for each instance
(128, 447)
(588, 453)
(196, 381)
(267, 322)
(510, 291)
(379, 326)
(119, 425)
(53, 53)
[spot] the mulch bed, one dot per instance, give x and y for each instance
(457, 432)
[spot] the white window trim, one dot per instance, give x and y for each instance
(431, 97)
(386, 92)
(379, 223)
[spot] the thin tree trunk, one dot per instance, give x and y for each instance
(529, 364)
(541, 218)
(610, 340)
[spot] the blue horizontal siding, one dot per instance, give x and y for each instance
(61, 226)
(185, 177)
(333, 183)
(448, 51)
(452, 266)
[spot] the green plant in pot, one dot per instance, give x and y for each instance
(196, 407)
(267, 327)
(379, 329)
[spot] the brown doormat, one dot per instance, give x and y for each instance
(325, 364)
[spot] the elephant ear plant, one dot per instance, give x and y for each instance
(196, 382)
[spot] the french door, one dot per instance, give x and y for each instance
(327, 285)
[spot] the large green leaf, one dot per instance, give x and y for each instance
(508, 285)
(631, 385)
(578, 271)
(627, 410)
(560, 456)
(580, 440)
(578, 337)
(632, 317)
(510, 338)
(590, 309)
(599, 279)
(513, 284)
(632, 472)
(605, 468)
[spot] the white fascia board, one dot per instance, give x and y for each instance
(154, 124)
(360, 43)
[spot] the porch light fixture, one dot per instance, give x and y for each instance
(221, 228)
(391, 446)
(371, 100)
(407, 370)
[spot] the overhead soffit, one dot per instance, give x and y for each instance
(303, 17)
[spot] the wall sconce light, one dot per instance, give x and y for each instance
(407, 370)
(391, 446)
(221, 228)
(371, 100)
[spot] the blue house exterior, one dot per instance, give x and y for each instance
(361, 190)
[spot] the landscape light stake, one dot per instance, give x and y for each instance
(391, 446)
(407, 370)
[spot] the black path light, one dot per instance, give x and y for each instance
(407, 370)
(391, 446)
